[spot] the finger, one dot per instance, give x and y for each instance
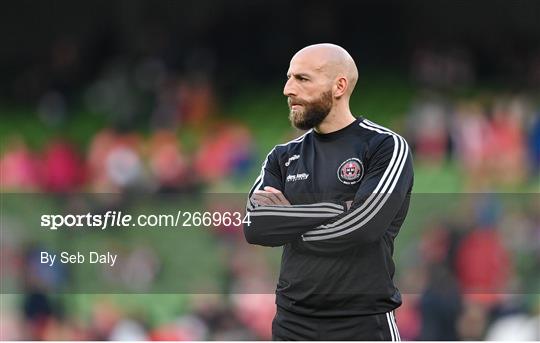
(271, 198)
(280, 198)
(274, 198)
(279, 194)
(271, 189)
(264, 194)
(270, 195)
(261, 200)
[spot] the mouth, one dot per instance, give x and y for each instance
(294, 105)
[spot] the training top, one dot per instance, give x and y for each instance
(336, 261)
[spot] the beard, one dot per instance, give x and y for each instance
(312, 113)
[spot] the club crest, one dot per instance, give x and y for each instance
(351, 171)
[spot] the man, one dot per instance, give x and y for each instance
(335, 199)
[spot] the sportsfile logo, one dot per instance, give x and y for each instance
(117, 219)
(297, 177)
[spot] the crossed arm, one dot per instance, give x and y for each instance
(329, 227)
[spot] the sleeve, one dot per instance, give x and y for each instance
(381, 198)
(279, 225)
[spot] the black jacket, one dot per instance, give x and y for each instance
(335, 262)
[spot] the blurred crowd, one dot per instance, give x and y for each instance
(117, 162)
(472, 273)
(207, 317)
(143, 101)
(495, 140)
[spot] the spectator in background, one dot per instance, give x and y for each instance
(225, 151)
(124, 165)
(99, 148)
(440, 301)
(440, 306)
(197, 101)
(483, 265)
(428, 121)
(63, 169)
(40, 312)
(167, 162)
(470, 129)
(473, 321)
(105, 315)
(505, 144)
(534, 145)
(115, 161)
(20, 167)
(518, 325)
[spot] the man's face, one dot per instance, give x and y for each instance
(309, 94)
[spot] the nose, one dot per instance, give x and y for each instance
(289, 89)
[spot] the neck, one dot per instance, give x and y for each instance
(336, 120)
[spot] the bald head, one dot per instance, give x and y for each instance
(331, 60)
(320, 81)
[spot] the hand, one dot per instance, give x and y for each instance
(270, 196)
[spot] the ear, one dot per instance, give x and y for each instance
(340, 87)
